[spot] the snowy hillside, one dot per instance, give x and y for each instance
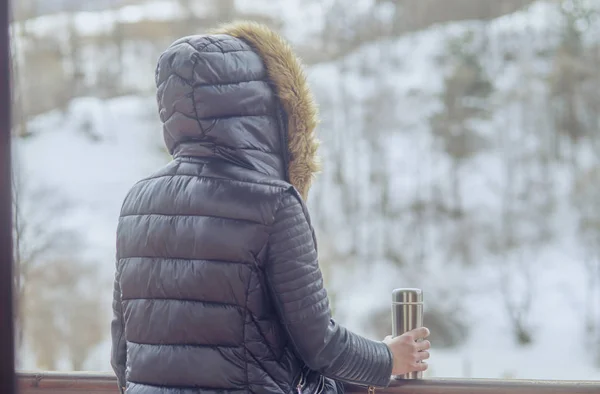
(94, 169)
(411, 72)
(376, 109)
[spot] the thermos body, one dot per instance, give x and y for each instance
(407, 314)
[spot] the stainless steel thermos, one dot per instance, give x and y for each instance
(407, 314)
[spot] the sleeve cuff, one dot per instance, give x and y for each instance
(366, 362)
(382, 373)
(390, 365)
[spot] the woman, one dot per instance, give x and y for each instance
(217, 284)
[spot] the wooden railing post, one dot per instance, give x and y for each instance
(7, 359)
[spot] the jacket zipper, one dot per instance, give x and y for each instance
(369, 387)
(302, 381)
(300, 385)
(321, 384)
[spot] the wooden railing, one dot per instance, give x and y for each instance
(105, 383)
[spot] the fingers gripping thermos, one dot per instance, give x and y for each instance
(407, 314)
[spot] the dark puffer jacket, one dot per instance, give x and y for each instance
(217, 284)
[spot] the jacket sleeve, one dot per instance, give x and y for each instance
(118, 354)
(296, 285)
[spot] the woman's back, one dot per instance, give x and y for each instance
(191, 248)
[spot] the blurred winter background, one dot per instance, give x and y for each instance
(461, 146)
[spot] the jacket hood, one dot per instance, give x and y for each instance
(240, 94)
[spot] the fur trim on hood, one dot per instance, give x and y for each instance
(288, 79)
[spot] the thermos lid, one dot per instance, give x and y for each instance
(407, 295)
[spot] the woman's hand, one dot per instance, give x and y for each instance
(409, 351)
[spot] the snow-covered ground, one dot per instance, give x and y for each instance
(559, 347)
(96, 150)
